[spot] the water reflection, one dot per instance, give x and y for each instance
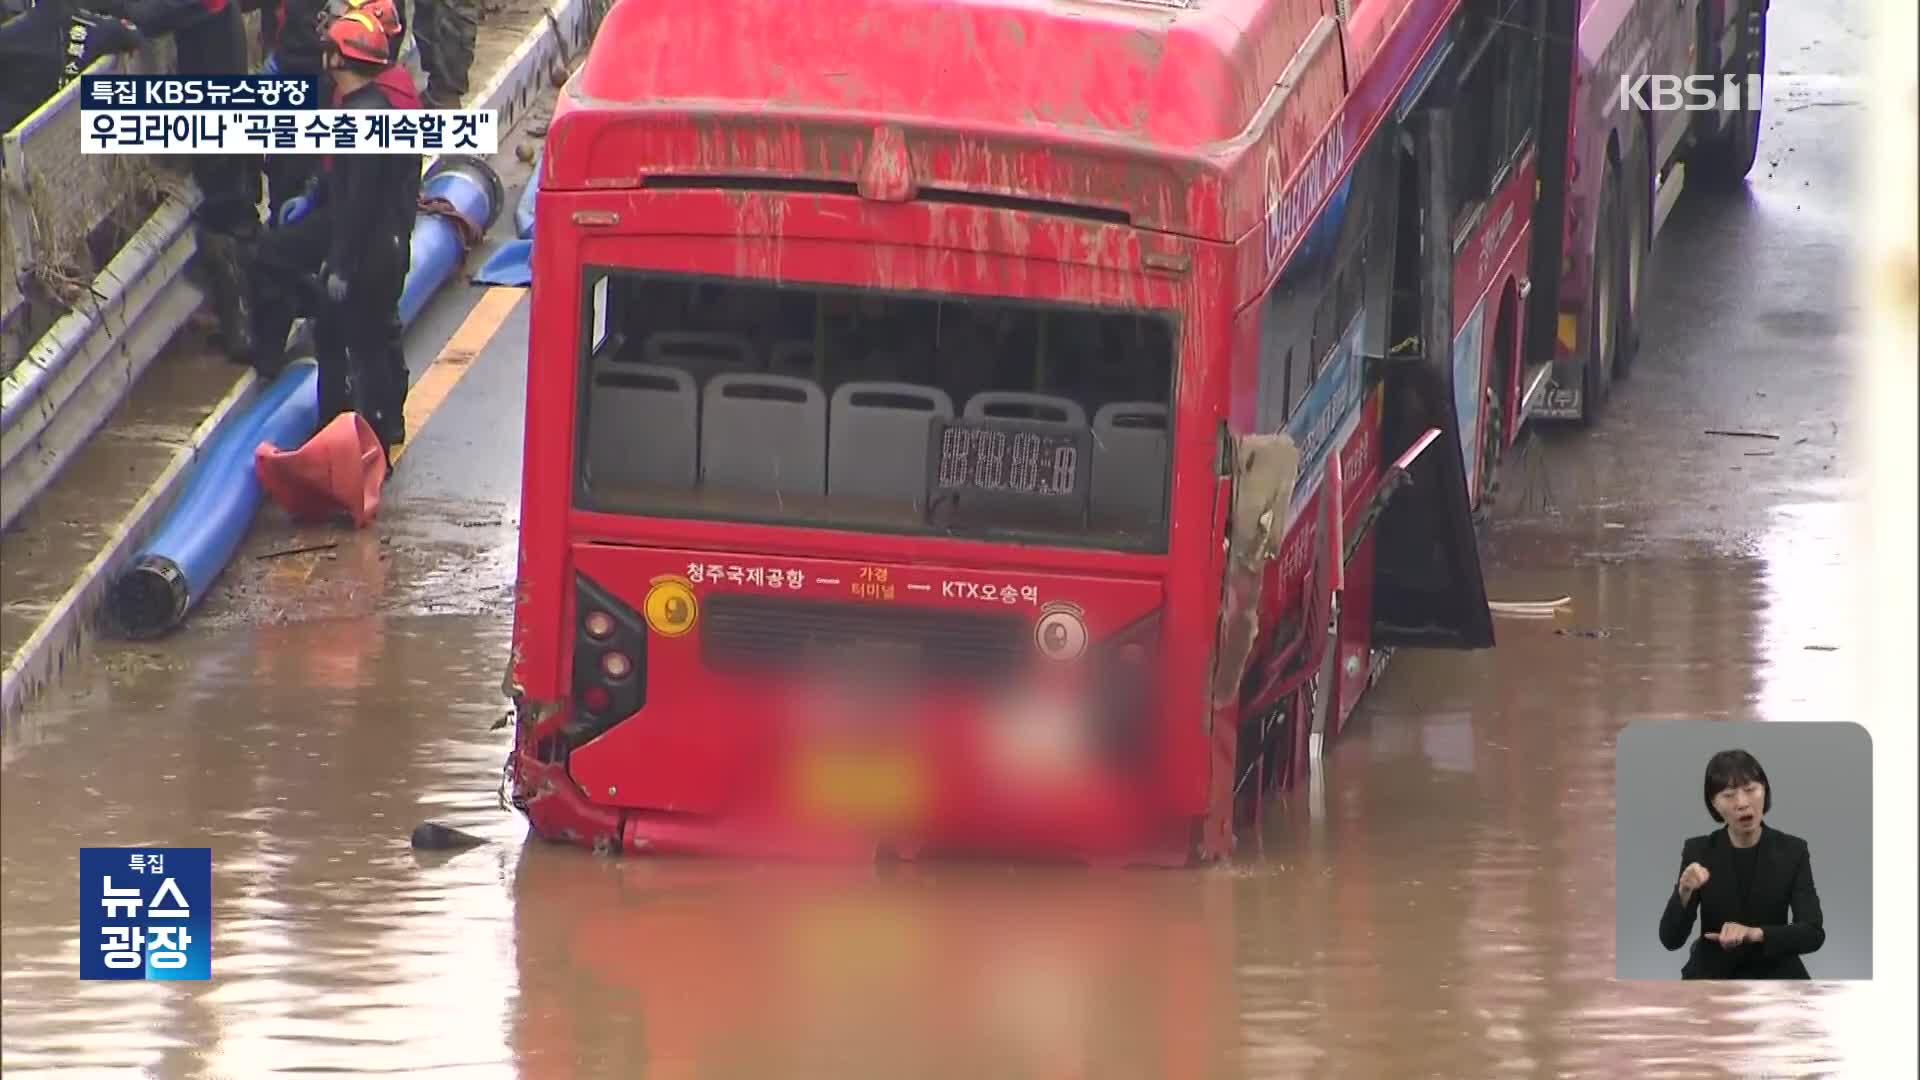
(691, 969)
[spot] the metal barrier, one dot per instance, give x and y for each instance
(84, 364)
(129, 332)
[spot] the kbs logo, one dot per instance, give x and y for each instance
(1689, 93)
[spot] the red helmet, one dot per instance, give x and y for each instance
(385, 12)
(358, 36)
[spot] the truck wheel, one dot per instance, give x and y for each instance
(1722, 160)
(1603, 303)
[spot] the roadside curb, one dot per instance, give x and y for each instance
(61, 637)
(58, 640)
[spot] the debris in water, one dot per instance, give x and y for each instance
(1529, 609)
(297, 551)
(433, 836)
(1743, 434)
(1565, 632)
(1822, 648)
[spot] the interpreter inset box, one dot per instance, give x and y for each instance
(1743, 850)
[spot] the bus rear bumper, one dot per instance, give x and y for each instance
(1106, 826)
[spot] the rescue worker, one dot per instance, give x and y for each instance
(354, 243)
(291, 31)
(446, 30)
(210, 39)
(290, 41)
(33, 51)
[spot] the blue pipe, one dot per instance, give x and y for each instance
(475, 191)
(523, 213)
(177, 566)
(202, 530)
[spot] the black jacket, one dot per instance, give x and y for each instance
(33, 53)
(373, 197)
(208, 35)
(1782, 882)
(290, 31)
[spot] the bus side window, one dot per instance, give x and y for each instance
(1273, 369)
(1479, 123)
(1521, 42)
(1325, 316)
(1299, 378)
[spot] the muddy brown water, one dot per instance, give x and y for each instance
(1445, 908)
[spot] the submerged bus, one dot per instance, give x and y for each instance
(999, 425)
(1612, 172)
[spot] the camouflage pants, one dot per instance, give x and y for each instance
(445, 31)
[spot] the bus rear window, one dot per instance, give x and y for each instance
(727, 400)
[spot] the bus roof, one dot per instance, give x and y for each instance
(1160, 72)
(1145, 109)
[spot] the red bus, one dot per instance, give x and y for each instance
(1008, 425)
(1613, 171)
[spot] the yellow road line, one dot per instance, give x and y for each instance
(446, 371)
(431, 391)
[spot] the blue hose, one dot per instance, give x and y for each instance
(201, 532)
(476, 195)
(177, 566)
(523, 213)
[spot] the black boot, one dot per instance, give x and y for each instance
(227, 280)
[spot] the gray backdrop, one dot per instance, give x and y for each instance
(1822, 775)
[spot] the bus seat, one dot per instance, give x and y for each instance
(764, 433)
(643, 427)
(1129, 464)
(1020, 405)
(877, 439)
(699, 353)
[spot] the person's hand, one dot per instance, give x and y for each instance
(1691, 879)
(1732, 935)
(293, 210)
(114, 36)
(336, 287)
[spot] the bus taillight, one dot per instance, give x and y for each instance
(609, 658)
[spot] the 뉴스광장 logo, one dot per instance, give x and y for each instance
(146, 913)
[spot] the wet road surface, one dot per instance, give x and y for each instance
(1447, 912)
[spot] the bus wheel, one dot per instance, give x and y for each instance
(1722, 160)
(1603, 303)
(1636, 223)
(1492, 439)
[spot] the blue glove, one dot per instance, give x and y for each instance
(294, 209)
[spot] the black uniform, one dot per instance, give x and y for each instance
(446, 31)
(290, 36)
(209, 39)
(359, 231)
(33, 44)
